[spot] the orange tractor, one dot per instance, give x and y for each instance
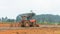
(28, 21)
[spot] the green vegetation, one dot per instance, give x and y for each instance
(41, 19)
(50, 19)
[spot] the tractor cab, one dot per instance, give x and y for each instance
(27, 16)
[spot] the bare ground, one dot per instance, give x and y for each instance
(30, 30)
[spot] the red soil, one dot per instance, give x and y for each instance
(32, 31)
(38, 30)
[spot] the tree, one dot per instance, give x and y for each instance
(10, 20)
(18, 18)
(2, 19)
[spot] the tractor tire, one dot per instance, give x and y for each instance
(27, 24)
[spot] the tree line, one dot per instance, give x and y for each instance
(40, 18)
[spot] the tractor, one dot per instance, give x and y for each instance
(28, 21)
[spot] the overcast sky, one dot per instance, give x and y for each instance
(12, 8)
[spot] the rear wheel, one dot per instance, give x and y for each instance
(27, 24)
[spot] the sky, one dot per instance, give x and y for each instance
(12, 8)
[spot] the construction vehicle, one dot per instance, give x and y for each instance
(28, 21)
